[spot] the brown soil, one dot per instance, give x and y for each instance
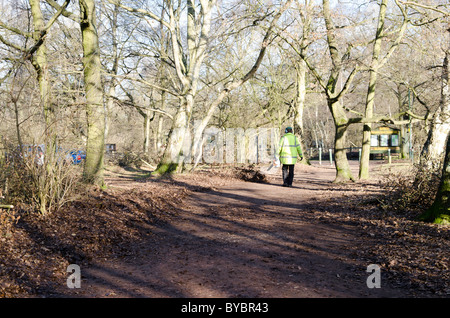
(209, 234)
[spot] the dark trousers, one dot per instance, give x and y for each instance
(288, 174)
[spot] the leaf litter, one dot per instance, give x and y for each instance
(111, 224)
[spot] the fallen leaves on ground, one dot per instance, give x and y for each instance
(35, 251)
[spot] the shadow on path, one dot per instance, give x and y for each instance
(241, 240)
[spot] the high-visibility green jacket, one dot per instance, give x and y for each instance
(289, 149)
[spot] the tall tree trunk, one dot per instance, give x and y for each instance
(404, 144)
(95, 111)
(39, 62)
(172, 153)
(147, 120)
(433, 151)
(17, 122)
(109, 105)
(370, 98)
(301, 70)
(188, 73)
(38, 56)
(439, 212)
(343, 171)
(114, 69)
(158, 139)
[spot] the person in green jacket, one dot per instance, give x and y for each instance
(289, 151)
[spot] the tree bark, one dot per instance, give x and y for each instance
(433, 151)
(39, 62)
(38, 56)
(187, 70)
(172, 153)
(301, 71)
(376, 65)
(114, 68)
(439, 212)
(95, 111)
(370, 99)
(343, 171)
(157, 135)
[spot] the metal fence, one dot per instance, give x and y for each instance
(353, 153)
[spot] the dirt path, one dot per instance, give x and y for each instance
(244, 239)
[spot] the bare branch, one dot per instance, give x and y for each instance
(142, 81)
(424, 6)
(388, 119)
(15, 30)
(64, 12)
(141, 11)
(140, 108)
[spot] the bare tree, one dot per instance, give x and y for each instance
(93, 87)
(300, 44)
(433, 151)
(187, 56)
(186, 60)
(233, 84)
(333, 94)
(95, 148)
(376, 64)
(37, 54)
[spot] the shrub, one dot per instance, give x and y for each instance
(35, 183)
(409, 193)
(130, 159)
